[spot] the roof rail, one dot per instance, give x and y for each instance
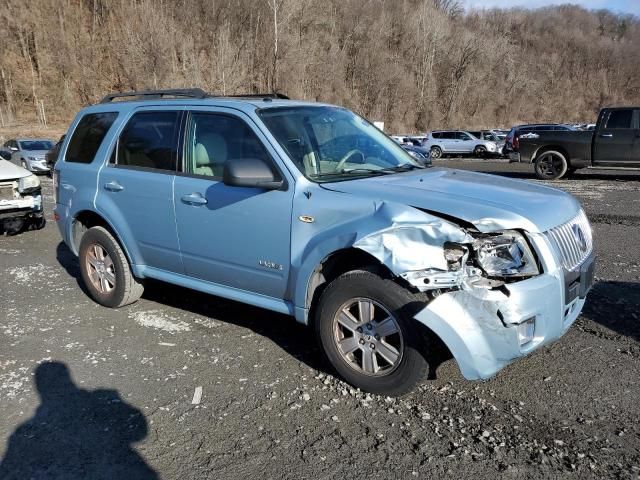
(275, 95)
(158, 94)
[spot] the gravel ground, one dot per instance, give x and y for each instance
(88, 392)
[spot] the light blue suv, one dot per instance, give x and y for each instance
(309, 210)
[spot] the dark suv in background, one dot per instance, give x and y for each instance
(511, 143)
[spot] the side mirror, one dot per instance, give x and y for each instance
(13, 149)
(250, 172)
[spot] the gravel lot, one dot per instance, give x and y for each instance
(270, 407)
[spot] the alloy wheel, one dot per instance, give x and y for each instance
(100, 268)
(549, 166)
(368, 337)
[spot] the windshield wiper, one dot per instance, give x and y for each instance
(354, 171)
(405, 168)
(374, 171)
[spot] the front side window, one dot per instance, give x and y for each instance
(620, 119)
(332, 143)
(149, 141)
(88, 136)
(213, 139)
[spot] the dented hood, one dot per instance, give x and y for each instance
(489, 202)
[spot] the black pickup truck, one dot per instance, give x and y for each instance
(614, 144)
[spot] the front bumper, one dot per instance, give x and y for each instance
(30, 205)
(480, 326)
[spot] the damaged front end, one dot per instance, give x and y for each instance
(431, 253)
(20, 203)
(495, 295)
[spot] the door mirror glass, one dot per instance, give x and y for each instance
(250, 172)
(13, 149)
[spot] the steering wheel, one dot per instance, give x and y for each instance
(349, 154)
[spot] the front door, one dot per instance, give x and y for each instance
(136, 188)
(232, 236)
(615, 138)
(467, 142)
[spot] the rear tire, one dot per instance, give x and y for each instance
(436, 152)
(377, 348)
(105, 270)
(551, 165)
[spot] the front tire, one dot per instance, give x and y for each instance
(480, 151)
(105, 270)
(436, 152)
(551, 165)
(366, 328)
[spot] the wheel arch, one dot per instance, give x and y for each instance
(332, 266)
(552, 148)
(86, 219)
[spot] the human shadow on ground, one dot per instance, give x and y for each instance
(76, 434)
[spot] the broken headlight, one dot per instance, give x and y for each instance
(505, 255)
(28, 184)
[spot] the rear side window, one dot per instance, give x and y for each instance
(88, 136)
(620, 119)
(149, 141)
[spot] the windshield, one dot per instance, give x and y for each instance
(36, 145)
(331, 143)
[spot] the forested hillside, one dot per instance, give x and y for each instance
(414, 64)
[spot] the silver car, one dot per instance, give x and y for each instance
(444, 142)
(29, 153)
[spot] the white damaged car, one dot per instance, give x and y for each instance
(20, 199)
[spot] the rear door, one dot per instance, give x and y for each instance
(135, 189)
(233, 236)
(615, 138)
(449, 141)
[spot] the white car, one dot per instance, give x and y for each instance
(444, 142)
(20, 199)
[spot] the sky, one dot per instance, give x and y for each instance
(619, 6)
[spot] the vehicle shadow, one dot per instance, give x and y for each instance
(294, 338)
(69, 262)
(580, 175)
(76, 434)
(616, 306)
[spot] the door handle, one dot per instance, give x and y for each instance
(194, 199)
(606, 135)
(113, 186)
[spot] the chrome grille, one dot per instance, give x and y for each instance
(572, 241)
